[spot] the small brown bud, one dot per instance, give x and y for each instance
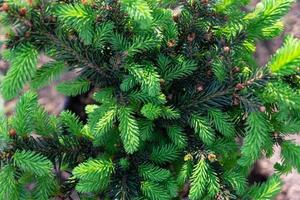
(191, 37)
(125, 53)
(28, 24)
(52, 19)
(204, 1)
(27, 34)
(235, 99)
(234, 95)
(208, 36)
(212, 157)
(262, 109)
(5, 7)
(107, 7)
(275, 134)
(71, 36)
(199, 87)
(171, 43)
(8, 35)
(22, 12)
(226, 49)
(209, 73)
(162, 81)
(98, 18)
(12, 133)
(236, 70)
(239, 86)
(175, 18)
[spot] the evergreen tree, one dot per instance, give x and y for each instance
(175, 86)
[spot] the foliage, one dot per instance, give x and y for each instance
(177, 106)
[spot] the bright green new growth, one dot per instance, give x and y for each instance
(199, 180)
(287, 58)
(267, 190)
(32, 162)
(47, 73)
(71, 122)
(129, 130)
(79, 18)
(178, 107)
(8, 183)
(93, 175)
(74, 87)
(23, 118)
(23, 67)
(203, 129)
(154, 173)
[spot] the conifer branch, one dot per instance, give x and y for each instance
(170, 91)
(79, 58)
(129, 130)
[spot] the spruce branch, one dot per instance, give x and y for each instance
(236, 180)
(147, 77)
(106, 121)
(139, 11)
(93, 175)
(154, 191)
(8, 184)
(61, 44)
(164, 154)
(171, 90)
(71, 122)
(151, 111)
(257, 135)
(177, 136)
(23, 68)
(267, 190)
(154, 173)
(47, 73)
(287, 58)
(102, 34)
(222, 122)
(46, 186)
(129, 130)
(33, 162)
(105, 96)
(266, 14)
(45, 125)
(203, 129)
(74, 87)
(182, 68)
(185, 172)
(78, 17)
(24, 116)
(289, 154)
(198, 180)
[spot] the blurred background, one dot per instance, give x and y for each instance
(55, 102)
